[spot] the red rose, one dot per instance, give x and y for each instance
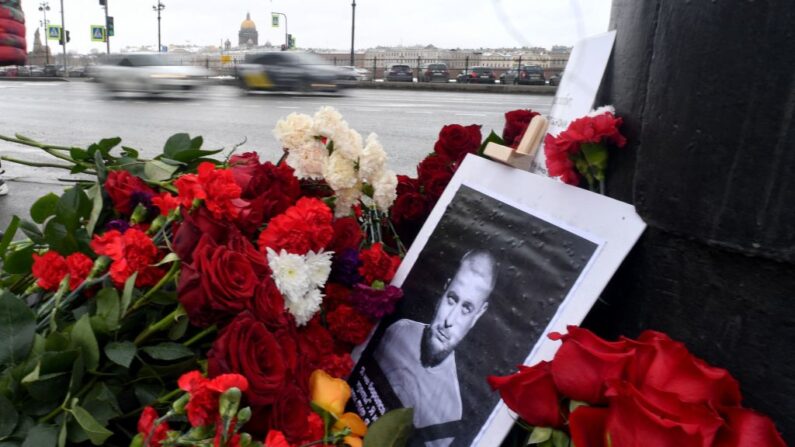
(432, 165)
(338, 366)
(410, 207)
(588, 426)
(531, 393)
(221, 280)
(49, 270)
(146, 427)
(131, 252)
(268, 305)
(290, 412)
(349, 325)
(303, 227)
(516, 122)
(122, 187)
(656, 419)
(455, 141)
(347, 234)
(407, 184)
(666, 365)
(745, 428)
(377, 265)
(268, 190)
(248, 348)
(584, 364)
(195, 225)
(435, 184)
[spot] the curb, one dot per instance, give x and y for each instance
(34, 79)
(455, 87)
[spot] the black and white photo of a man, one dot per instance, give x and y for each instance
(419, 359)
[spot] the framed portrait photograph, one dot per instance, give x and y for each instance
(499, 263)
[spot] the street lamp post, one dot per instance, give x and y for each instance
(159, 7)
(107, 36)
(63, 42)
(44, 7)
(353, 29)
(286, 36)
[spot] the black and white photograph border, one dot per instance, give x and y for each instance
(612, 225)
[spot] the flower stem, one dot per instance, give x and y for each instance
(602, 187)
(163, 281)
(161, 325)
(35, 164)
(200, 335)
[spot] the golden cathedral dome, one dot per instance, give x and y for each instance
(248, 23)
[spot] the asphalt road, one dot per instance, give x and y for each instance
(78, 113)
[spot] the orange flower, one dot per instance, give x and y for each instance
(329, 393)
(352, 421)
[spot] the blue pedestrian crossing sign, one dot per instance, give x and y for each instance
(97, 33)
(53, 32)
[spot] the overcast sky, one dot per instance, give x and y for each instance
(327, 23)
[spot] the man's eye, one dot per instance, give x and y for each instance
(450, 299)
(467, 308)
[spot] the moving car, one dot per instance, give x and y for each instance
(531, 74)
(149, 73)
(287, 71)
(478, 75)
(436, 72)
(555, 79)
(399, 73)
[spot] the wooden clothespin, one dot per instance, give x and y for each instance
(521, 157)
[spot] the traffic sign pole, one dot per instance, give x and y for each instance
(63, 42)
(107, 34)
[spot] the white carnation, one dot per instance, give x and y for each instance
(291, 274)
(373, 158)
(294, 131)
(385, 186)
(304, 309)
(346, 198)
(339, 172)
(319, 265)
(327, 122)
(603, 109)
(308, 160)
(348, 143)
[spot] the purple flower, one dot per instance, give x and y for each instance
(375, 302)
(345, 268)
(118, 224)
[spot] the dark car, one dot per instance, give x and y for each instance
(555, 79)
(531, 75)
(50, 70)
(478, 75)
(399, 73)
(509, 76)
(434, 73)
(287, 71)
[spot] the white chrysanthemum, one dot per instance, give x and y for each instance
(327, 122)
(372, 160)
(294, 131)
(291, 274)
(339, 172)
(603, 109)
(308, 160)
(385, 186)
(348, 143)
(304, 309)
(319, 266)
(346, 198)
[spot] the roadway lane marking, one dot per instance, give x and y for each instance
(415, 112)
(287, 107)
(470, 114)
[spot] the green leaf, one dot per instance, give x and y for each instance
(59, 238)
(72, 206)
(126, 295)
(43, 208)
(167, 259)
(78, 154)
(492, 138)
(8, 417)
(129, 152)
(19, 261)
(539, 435)
(96, 432)
(121, 353)
(95, 192)
(196, 143)
(82, 337)
(179, 329)
(177, 143)
(17, 329)
(106, 318)
(574, 404)
(560, 439)
(157, 171)
(8, 235)
(168, 351)
(32, 231)
(102, 170)
(41, 435)
(391, 430)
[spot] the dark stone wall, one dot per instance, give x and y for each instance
(707, 91)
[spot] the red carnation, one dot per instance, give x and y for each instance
(49, 269)
(455, 141)
(165, 202)
(152, 435)
(268, 189)
(349, 325)
(347, 235)
(303, 227)
(121, 186)
(516, 122)
(377, 265)
(216, 187)
(79, 266)
(338, 366)
(131, 252)
(202, 408)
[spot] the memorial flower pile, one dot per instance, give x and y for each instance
(648, 391)
(185, 300)
(581, 150)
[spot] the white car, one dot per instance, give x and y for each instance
(148, 73)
